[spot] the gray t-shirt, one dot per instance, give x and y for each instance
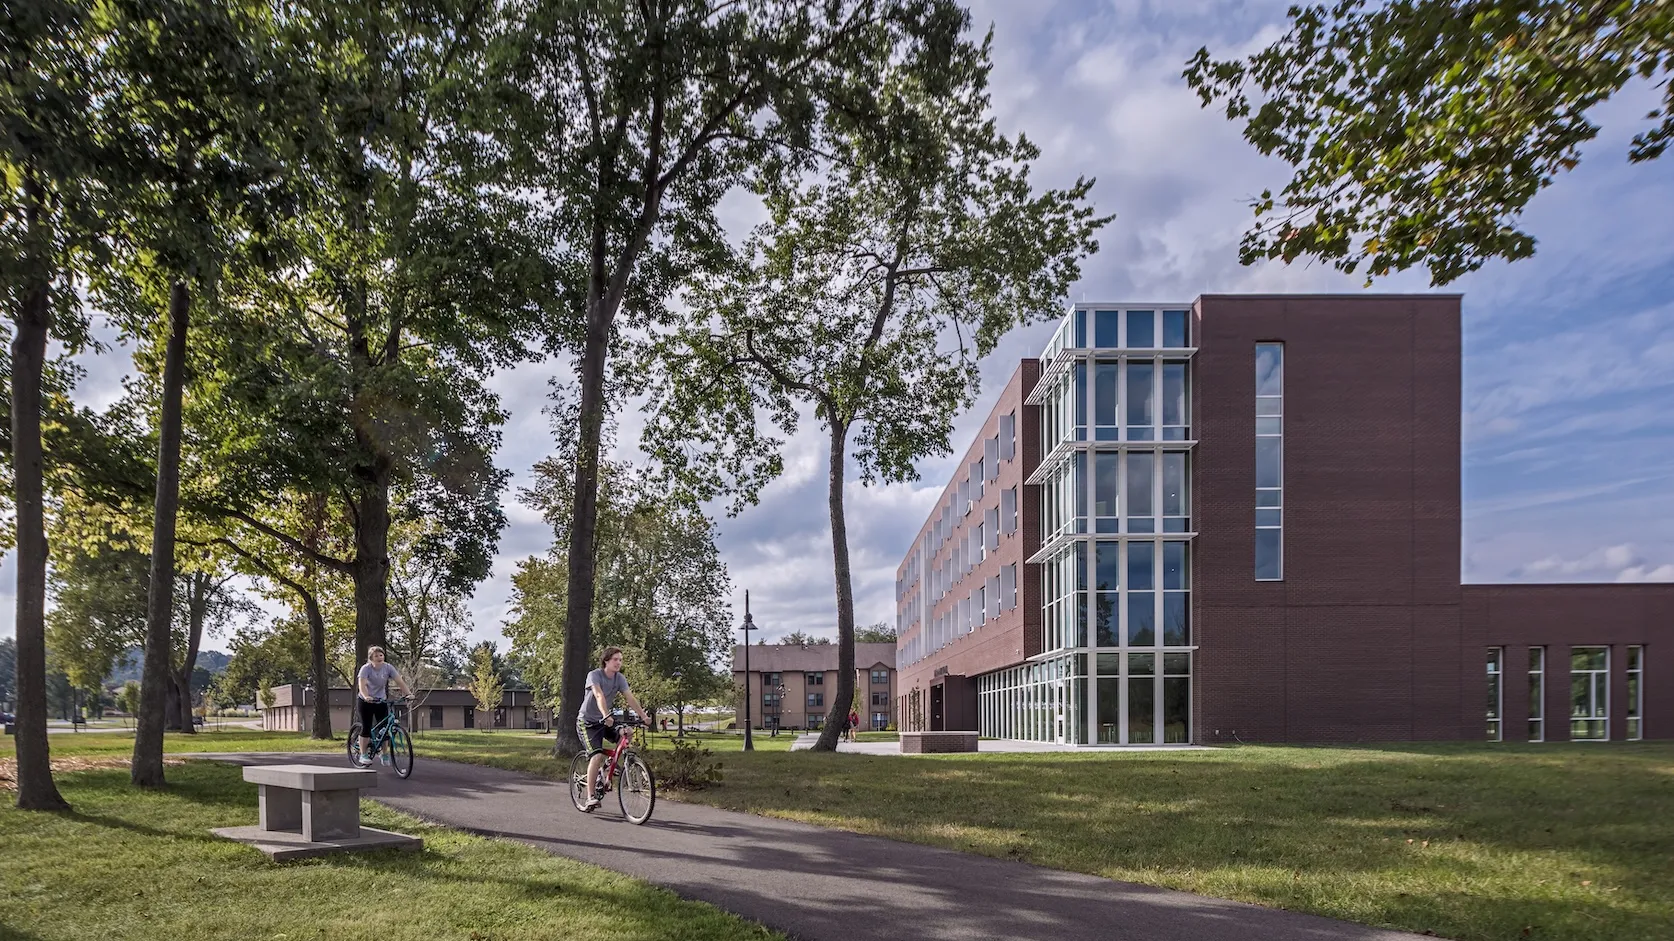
(377, 679)
(611, 686)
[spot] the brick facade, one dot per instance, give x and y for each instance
(1369, 635)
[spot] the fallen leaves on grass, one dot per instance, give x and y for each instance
(8, 767)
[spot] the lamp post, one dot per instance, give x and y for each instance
(778, 708)
(679, 707)
(749, 625)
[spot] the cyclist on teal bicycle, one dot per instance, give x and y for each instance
(372, 697)
(595, 724)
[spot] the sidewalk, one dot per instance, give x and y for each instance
(817, 884)
(988, 746)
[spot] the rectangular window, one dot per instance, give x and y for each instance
(880, 719)
(1142, 330)
(1008, 436)
(1104, 401)
(435, 717)
(979, 606)
(1635, 693)
(992, 595)
(1496, 658)
(1142, 401)
(1107, 470)
(880, 699)
(991, 527)
(1008, 587)
(1174, 410)
(1141, 507)
(1176, 332)
(814, 679)
(1589, 694)
(991, 458)
(1008, 510)
(816, 700)
(1269, 532)
(880, 677)
(1537, 694)
(1105, 324)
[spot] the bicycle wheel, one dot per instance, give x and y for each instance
(578, 782)
(401, 752)
(355, 732)
(637, 790)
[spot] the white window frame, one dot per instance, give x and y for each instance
(1537, 702)
(1496, 680)
(1600, 700)
(1636, 692)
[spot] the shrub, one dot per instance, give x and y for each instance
(684, 765)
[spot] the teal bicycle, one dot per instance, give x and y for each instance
(390, 742)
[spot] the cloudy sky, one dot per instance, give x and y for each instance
(1569, 357)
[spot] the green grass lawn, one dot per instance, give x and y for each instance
(1472, 842)
(1469, 841)
(134, 865)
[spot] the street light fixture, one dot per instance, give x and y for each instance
(679, 707)
(749, 625)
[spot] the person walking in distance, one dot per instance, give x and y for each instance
(372, 694)
(595, 724)
(854, 723)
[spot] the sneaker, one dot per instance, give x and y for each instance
(593, 800)
(384, 758)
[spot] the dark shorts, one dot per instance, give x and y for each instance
(595, 734)
(371, 713)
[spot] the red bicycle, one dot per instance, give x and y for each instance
(636, 791)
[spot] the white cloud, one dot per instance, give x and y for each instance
(1619, 563)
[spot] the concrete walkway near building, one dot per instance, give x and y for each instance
(988, 746)
(816, 884)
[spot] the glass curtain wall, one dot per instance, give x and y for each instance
(1115, 491)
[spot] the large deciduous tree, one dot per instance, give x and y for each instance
(638, 118)
(869, 295)
(48, 223)
(1419, 129)
(661, 587)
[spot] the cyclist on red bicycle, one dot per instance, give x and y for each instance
(594, 724)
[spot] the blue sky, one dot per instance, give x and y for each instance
(1569, 357)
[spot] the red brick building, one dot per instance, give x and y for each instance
(1239, 520)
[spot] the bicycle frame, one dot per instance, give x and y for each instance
(622, 744)
(383, 730)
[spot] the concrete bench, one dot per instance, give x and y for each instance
(310, 810)
(321, 803)
(937, 743)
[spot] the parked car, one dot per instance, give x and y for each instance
(7, 718)
(197, 720)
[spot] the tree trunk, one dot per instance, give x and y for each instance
(35, 788)
(578, 613)
(371, 565)
(171, 702)
(321, 727)
(197, 609)
(148, 736)
(839, 711)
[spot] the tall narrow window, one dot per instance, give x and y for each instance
(1008, 510)
(1008, 587)
(1270, 410)
(1635, 692)
(1537, 694)
(1008, 436)
(991, 458)
(1496, 657)
(1589, 693)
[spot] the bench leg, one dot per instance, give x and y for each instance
(330, 815)
(281, 808)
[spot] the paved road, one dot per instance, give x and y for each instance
(817, 884)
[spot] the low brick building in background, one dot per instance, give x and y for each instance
(1239, 520)
(440, 709)
(792, 684)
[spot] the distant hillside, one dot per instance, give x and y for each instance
(212, 661)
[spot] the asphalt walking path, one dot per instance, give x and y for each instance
(818, 884)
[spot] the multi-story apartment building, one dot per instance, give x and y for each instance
(1238, 519)
(791, 685)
